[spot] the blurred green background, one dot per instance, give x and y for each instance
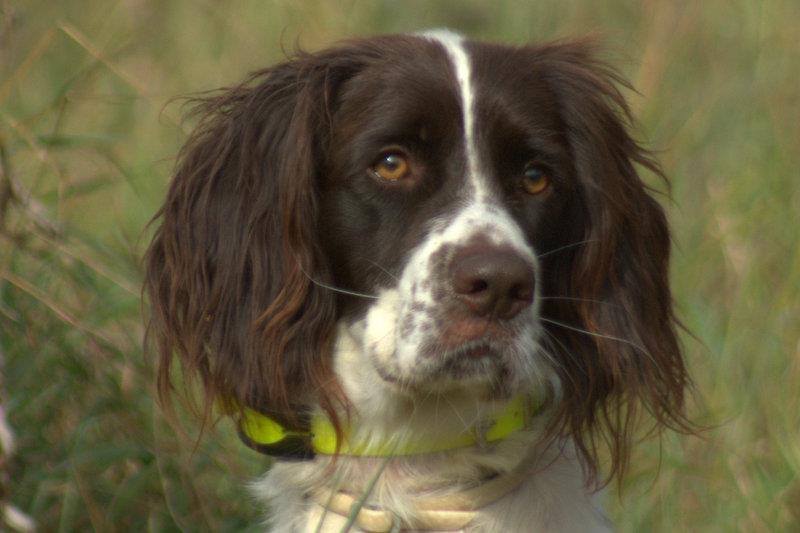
(87, 141)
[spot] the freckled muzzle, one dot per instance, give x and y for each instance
(464, 311)
(482, 288)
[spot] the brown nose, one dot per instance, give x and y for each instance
(494, 282)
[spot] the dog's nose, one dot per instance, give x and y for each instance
(493, 282)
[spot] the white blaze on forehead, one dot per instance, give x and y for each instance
(453, 44)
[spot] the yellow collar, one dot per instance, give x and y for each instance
(268, 436)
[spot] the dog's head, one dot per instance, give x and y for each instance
(468, 215)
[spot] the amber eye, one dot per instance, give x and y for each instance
(391, 167)
(535, 179)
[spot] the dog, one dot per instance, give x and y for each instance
(423, 272)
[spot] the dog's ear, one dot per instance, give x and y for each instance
(621, 356)
(229, 271)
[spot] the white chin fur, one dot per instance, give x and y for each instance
(380, 326)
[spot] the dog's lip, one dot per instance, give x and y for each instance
(463, 363)
(472, 351)
(469, 332)
(468, 362)
(465, 352)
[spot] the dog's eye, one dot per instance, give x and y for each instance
(391, 166)
(535, 179)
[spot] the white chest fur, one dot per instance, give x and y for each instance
(552, 496)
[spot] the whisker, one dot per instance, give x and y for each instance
(600, 335)
(382, 269)
(342, 291)
(579, 243)
(550, 337)
(549, 356)
(532, 373)
(335, 289)
(576, 299)
(461, 419)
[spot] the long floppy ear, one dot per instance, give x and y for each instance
(229, 271)
(617, 331)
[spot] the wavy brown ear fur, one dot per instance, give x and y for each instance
(229, 271)
(620, 356)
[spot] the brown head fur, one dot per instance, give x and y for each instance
(230, 269)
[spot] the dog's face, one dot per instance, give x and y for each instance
(442, 186)
(468, 215)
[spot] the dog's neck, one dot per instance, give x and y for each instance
(405, 486)
(412, 475)
(420, 501)
(549, 493)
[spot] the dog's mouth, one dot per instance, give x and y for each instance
(474, 352)
(469, 360)
(441, 351)
(478, 367)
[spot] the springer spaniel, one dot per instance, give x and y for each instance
(431, 263)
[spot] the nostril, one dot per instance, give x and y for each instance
(521, 292)
(478, 285)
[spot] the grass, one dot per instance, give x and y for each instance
(87, 139)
